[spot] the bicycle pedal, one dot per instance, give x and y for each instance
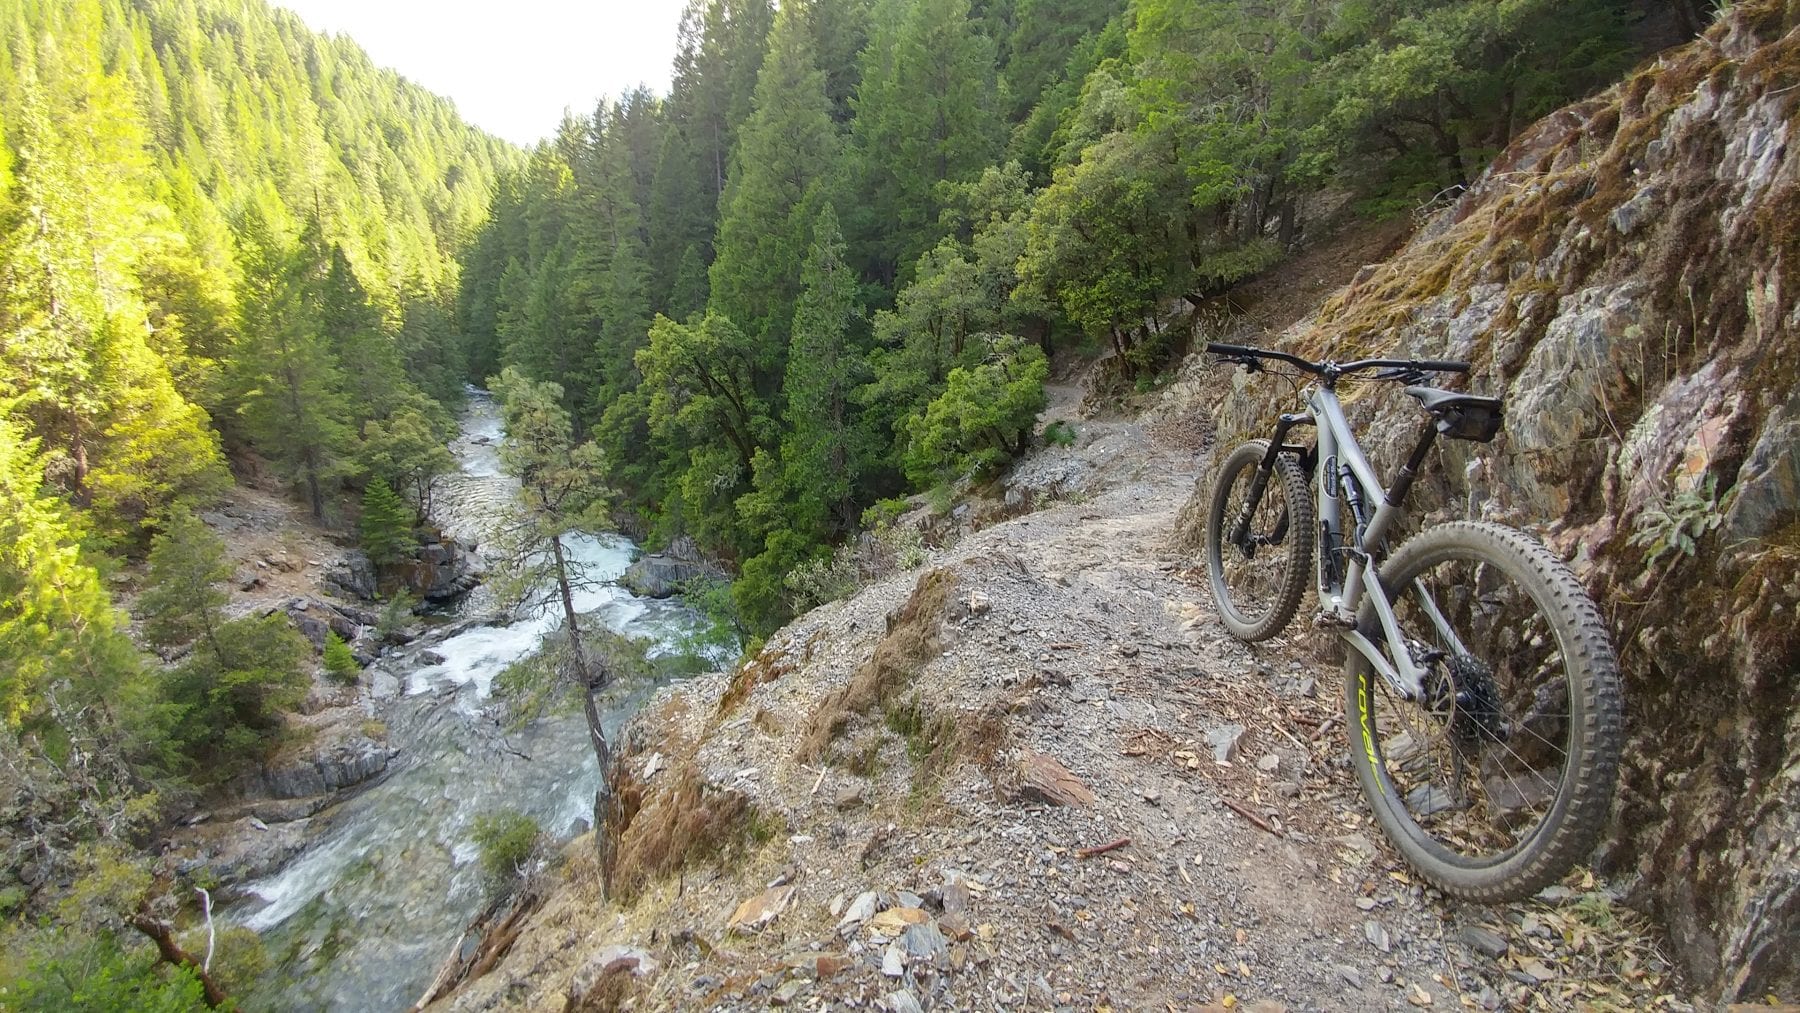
(1334, 619)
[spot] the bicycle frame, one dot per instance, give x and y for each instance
(1350, 535)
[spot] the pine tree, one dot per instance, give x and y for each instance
(786, 151)
(925, 112)
(807, 496)
(229, 693)
(188, 570)
(820, 453)
(407, 452)
(560, 492)
(291, 384)
(340, 663)
(385, 529)
(76, 367)
(57, 625)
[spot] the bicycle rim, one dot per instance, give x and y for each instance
(1489, 783)
(1258, 582)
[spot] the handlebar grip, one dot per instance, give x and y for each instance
(1220, 348)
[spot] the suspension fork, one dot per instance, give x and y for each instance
(1259, 482)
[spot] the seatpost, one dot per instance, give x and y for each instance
(1410, 470)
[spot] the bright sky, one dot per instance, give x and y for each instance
(511, 66)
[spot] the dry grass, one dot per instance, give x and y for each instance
(671, 821)
(913, 638)
(770, 663)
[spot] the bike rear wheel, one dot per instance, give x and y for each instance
(1258, 579)
(1499, 779)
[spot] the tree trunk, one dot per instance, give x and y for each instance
(163, 936)
(592, 680)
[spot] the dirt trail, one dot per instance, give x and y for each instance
(1072, 632)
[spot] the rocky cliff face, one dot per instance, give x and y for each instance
(1628, 276)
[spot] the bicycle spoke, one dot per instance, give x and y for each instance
(1495, 699)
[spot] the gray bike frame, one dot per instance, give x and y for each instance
(1340, 462)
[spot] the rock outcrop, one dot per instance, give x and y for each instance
(345, 765)
(445, 569)
(1628, 276)
(664, 574)
(352, 577)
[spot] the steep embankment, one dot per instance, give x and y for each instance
(1628, 275)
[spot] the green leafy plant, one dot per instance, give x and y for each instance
(1678, 522)
(396, 614)
(1059, 434)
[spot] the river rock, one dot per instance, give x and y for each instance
(242, 850)
(664, 574)
(314, 617)
(344, 766)
(445, 568)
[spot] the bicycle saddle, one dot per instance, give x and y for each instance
(1460, 416)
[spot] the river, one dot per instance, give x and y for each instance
(362, 919)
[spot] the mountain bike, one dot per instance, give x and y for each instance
(1481, 690)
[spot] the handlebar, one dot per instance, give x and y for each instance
(1249, 356)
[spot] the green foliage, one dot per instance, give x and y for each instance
(1059, 433)
(396, 614)
(983, 419)
(385, 528)
(785, 150)
(1677, 523)
(340, 664)
(927, 111)
(758, 371)
(187, 568)
(509, 842)
(407, 452)
(57, 625)
(59, 970)
(232, 691)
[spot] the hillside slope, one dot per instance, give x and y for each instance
(940, 748)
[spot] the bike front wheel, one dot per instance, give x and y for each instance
(1498, 780)
(1258, 542)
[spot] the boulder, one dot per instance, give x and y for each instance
(445, 568)
(351, 576)
(664, 574)
(314, 618)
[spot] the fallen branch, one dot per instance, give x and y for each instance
(1252, 817)
(1102, 849)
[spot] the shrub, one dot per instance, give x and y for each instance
(396, 614)
(1059, 434)
(508, 840)
(339, 662)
